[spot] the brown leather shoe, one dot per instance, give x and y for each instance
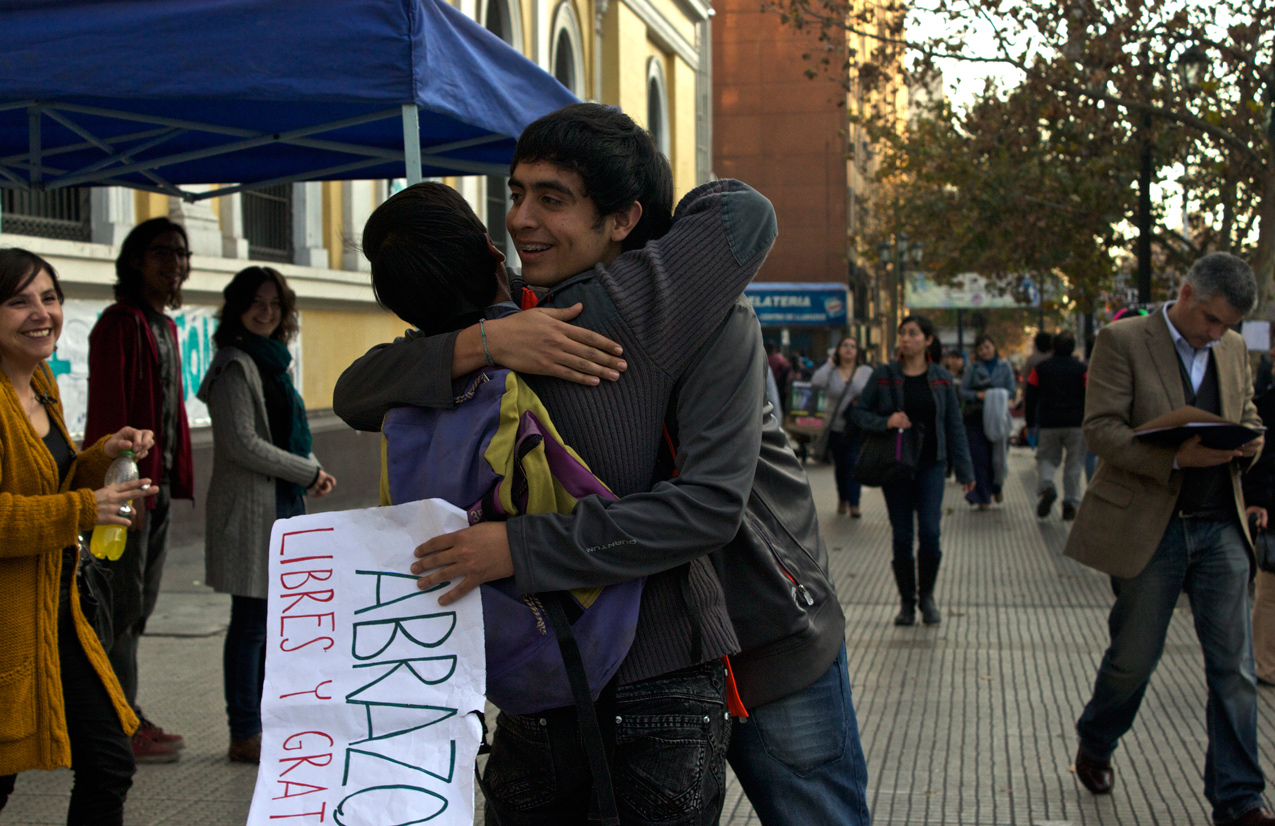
(1255, 817)
(247, 750)
(1095, 775)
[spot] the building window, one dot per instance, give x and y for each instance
(55, 213)
(500, 18)
(657, 104)
(267, 222)
(568, 60)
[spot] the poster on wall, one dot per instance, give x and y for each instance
(372, 689)
(195, 327)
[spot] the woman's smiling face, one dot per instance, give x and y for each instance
(30, 322)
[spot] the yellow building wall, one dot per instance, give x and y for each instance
(150, 205)
(680, 79)
(333, 220)
(332, 339)
(672, 12)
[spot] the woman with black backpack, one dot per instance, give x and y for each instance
(915, 394)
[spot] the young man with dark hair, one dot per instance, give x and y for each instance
(1054, 394)
(135, 378)
(794, 650)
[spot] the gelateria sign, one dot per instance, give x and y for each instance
(369, 710)
(809, 305)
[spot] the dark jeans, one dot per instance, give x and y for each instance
(844, 446)
(244, 655)
(666, 741)
(135, 579)
(981, 456)
(244, 663)
(101, 753)
(799, 758)
(923, 495)
(1208, 560)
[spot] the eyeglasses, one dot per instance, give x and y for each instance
(169, 252)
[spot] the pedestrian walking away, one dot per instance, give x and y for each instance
(915, 392)
(842, 378)
(1054, 403)
(135, 377)
(1179, 511)
(985, 372)
(62, 704)
(262, 469)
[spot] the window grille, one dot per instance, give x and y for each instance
(56, 213)
(267, 223)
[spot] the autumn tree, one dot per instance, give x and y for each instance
(1113, 70)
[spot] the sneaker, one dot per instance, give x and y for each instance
(146, 750)
(247, 750)
(1046, 502)
(1069, 512)
(158, 735)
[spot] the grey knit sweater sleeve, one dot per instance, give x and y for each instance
(413, 370)
(676, 290)
(718, 410)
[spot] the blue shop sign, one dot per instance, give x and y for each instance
(810, 305)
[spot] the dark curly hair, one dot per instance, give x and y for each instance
(19, 267)
(128, 278)
(239, 295)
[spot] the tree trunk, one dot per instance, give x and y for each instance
(1263, 262)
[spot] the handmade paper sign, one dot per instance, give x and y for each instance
(370, 684)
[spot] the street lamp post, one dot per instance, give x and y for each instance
(1191, 67)
(899, 252)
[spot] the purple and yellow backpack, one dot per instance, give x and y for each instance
(496, 454)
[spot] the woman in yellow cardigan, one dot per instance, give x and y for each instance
(60, 704)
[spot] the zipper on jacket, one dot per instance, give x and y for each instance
(798, 591)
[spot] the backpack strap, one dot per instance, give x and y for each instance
(586, 714)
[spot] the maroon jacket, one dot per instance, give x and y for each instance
(124, 391)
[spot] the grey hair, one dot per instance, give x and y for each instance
(1220, 273)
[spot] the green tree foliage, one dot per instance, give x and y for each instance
(1093, 71)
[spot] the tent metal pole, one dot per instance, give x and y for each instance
(412, 143)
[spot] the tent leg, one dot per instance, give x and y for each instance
(411, 143)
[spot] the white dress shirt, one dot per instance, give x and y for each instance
(1195, 361)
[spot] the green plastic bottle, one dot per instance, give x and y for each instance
(108, 540)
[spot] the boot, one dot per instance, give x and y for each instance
(928, 573)
(905, 578)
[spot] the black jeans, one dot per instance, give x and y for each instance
(135, 579)
(666, 741)
(101, 753)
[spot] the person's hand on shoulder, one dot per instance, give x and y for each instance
(541, 342)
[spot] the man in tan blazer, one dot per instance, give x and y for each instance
(1161, 520)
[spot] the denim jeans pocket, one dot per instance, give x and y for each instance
(520, 773)
(661, 762)
(807, 730)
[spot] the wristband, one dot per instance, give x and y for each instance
(483, 332)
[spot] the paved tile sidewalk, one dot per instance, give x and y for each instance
(970, 722)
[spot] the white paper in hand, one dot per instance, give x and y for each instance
(370, 684)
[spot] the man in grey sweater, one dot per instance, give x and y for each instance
(718, 405)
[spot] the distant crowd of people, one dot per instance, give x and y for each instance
(626, 337)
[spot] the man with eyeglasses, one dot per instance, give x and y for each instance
(135, 377)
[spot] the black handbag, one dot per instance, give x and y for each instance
(1263, 545)
(889, 457)
(93, 580)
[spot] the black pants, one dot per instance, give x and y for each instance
(101, 754)
(135, 579)
(666, 741)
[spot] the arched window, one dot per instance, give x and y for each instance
(567, 57)
(657, 104)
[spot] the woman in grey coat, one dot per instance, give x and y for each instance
(262, 467)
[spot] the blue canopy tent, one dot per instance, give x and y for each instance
(156, 95)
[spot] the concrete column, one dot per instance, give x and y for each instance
(357, 200)
(200, 222)
(307, 225)
(112, 213)
(230, 213)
